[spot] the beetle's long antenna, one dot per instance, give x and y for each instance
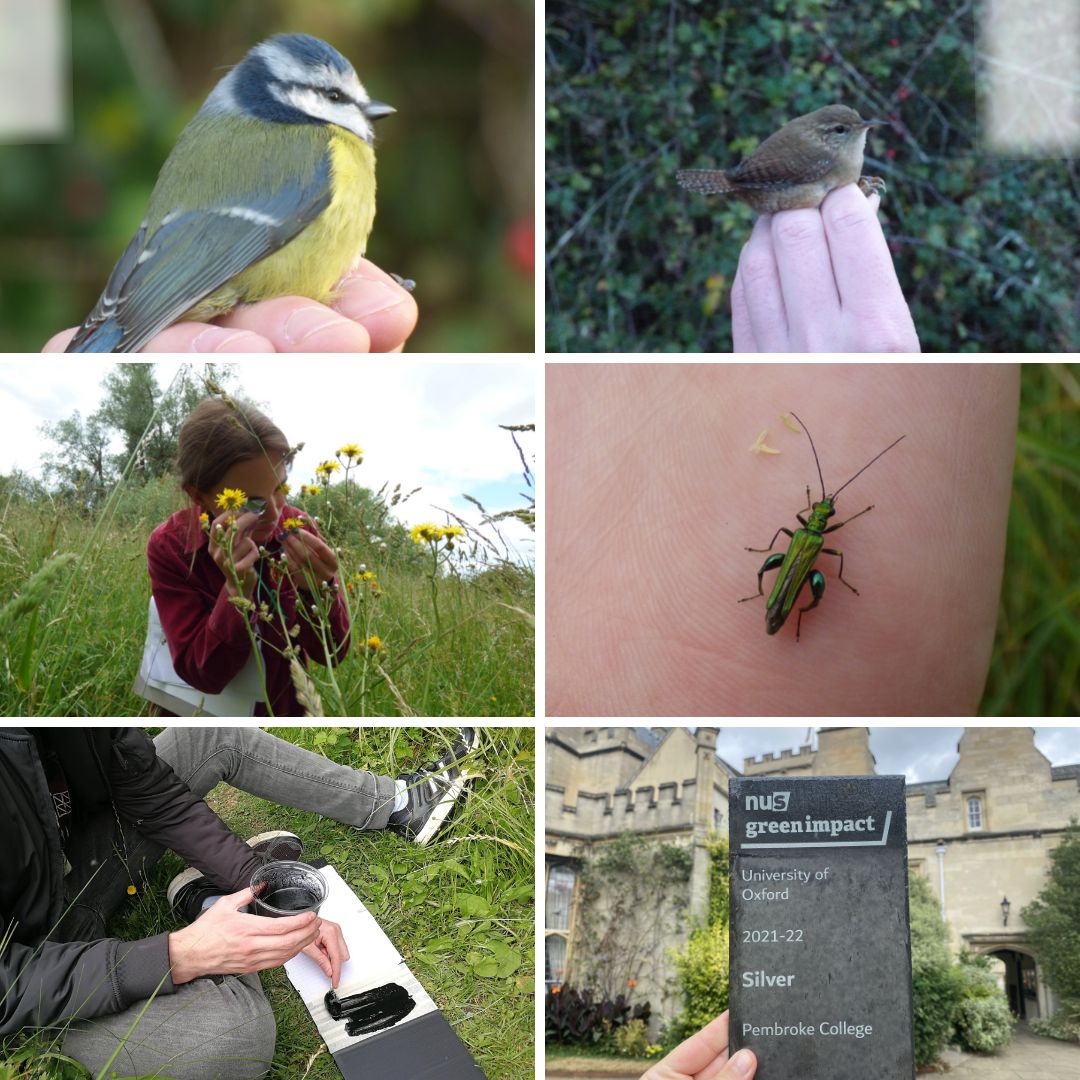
(866, 466)
(816, 462)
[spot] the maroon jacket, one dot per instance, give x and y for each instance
(207, 637)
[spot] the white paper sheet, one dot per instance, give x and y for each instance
(373, 961)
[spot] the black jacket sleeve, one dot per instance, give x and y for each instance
(152, 797)
(54, 982)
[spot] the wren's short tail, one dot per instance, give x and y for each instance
(707, 181)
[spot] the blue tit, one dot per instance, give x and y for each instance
(269, 191)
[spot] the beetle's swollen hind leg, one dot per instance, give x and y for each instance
(840, 555)
(773, 541)
(841, 524)
(817, 587)
(771, 563)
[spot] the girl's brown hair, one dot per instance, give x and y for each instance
(218, 433)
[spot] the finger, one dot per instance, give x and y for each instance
(386, 310)
(297, 324)
(761, 287)
(806, 277)
(317, 952)
(701, 1049)
(864, 272)
(742, 332)
(190, 337)
(239, 899)
(741, 1066)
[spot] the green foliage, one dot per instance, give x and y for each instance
(936, 989)
(1036, 665)
(1053, 922)
(575, 1017)
(982, 1022)
(455, 164)
(702, 967)
(1062, 1025)
(632, 1039)
(631, 896)
(984, 246)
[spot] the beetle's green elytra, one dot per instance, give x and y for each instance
(796, 565)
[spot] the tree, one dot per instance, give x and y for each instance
(1053, 921)
(81, 469)
(936, 991)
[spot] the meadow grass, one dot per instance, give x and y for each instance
(73, 607)
(460, 911)
(1035, 669)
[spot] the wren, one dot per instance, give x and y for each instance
(797, 166)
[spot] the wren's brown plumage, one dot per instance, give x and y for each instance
(797, 166)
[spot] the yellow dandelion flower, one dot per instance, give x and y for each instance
(351, 451)
(453, 530)
(367, 575)
(231, 499)
(374, 644)
(131, 890)
(291, 524)
(285, 489)
(326, 468)
(426, 533)
(204, 520)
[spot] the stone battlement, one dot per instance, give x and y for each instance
(637, 809)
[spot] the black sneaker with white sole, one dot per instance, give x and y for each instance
(189, 889)
(432, 792)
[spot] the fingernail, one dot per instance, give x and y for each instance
(308, 321)
(375, 296)
(211, 339)
(742, 1064)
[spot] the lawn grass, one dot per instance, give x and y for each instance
(74, 591)
(1035, 669)
(460, 911)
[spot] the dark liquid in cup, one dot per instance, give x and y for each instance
(290, 899)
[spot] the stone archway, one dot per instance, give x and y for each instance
(1023, 985)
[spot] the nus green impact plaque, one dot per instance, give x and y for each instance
(820, 938)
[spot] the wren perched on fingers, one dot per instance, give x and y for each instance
(797, 166)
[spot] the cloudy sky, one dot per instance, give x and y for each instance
(920, 753)
(424, 424)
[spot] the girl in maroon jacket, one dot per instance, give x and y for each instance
(229, 575)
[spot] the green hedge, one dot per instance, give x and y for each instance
(985, 247)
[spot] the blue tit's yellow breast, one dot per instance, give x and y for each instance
(314, 262)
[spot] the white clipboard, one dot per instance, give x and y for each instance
(158, 682)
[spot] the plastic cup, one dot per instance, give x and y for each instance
(287, 888)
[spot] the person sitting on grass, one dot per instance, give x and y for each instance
(240, 566)
(88, 812)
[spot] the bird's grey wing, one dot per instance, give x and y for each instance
(165, 272)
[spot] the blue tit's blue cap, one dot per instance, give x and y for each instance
(297, 79)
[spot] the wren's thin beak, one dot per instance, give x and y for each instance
(376, 110)
(876, 123)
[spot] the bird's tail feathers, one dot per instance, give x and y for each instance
(707, 181)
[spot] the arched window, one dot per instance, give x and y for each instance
(558, 921)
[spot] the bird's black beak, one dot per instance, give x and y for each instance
(376, 110)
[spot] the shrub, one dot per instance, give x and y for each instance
(1053, 922)
(935, 986)
(576, 1017)
(982, 1020)
(1062, 1025)
(632, 1039)
(983, 1024)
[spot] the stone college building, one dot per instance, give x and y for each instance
(980, 836)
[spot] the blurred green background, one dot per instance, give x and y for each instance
(985, 247)
(455, 164)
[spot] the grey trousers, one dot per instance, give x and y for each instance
(221, 1027)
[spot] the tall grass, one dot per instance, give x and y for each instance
(460, 911)
(1035, 669)
(454, 637)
